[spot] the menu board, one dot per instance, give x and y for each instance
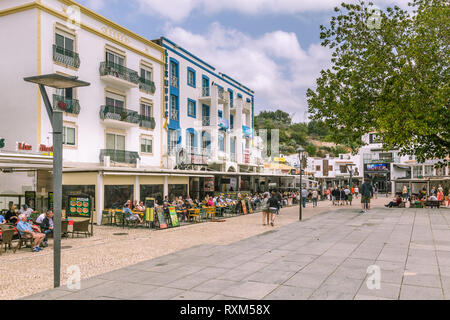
(244, 207)
(174, 217)
(79, 206)
(30, 199)
(161, 219)
(50, 200)
(149, 214)
(250, 210)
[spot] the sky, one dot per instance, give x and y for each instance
(270, 46)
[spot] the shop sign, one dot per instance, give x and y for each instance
(44, 148)
(79, 206)
(174, 217)
(277, 159)
(24, 146)
(209, 185)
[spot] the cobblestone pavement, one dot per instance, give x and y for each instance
(325, 257)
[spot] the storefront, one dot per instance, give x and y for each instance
(25, 178)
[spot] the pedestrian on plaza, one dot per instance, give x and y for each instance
(356, 192)
(265, 209)
(25, 229)
(347, 193)
(342, 196)
(314, 197)
(440, 197)
(304, 197)
(273, 208)
(366, 193)
(375, 191)
(47, 226)
(405, 193)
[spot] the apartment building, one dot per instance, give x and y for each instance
(112, 129)
(208, 122)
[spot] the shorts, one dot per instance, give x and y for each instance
(133, 217)
(365, 199)
(273, 210)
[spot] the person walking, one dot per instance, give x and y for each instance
(265, 209)
(405, 193)
(273, 207)
(366, 193)
(314, 197)
(304, 197)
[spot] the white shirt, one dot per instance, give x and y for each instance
(28, 212)
(40, 218)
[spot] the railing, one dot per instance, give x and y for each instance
(205, 91)
(233, 157)
(205, 121)
(220, 93)
(119, 113)
(66, 105)
(65, 56)
(147, 122)
(118, 71)
(120, 156)
(247, 131)
(174, 115)
(147, 85)
(174, 81)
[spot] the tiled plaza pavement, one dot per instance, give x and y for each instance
(325, 257)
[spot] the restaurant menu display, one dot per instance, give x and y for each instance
(30, 199)
(79, 206)
(174, 217)
(149, 214)
(244, 207)
(50, 200)
(161, 219)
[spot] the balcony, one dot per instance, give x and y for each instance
(233, 157)
(147, 85)
(66, 57)
(205, 121)
(147, 122)
(174, 81)
(67, 105)
(174, 115)
(224, 124)
(222, 95)
(119, 156)
(117, 74)
(118, 117)
(246, 131)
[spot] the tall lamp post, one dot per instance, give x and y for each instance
(300, 151)
(56, 119)
(350, 170)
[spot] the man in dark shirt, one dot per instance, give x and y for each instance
(366, 193)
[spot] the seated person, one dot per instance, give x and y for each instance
(130, 215)
(26, 210)
(395, 203)
(40, 218)
(140, 207)
(433, 198)
(25, 229)
(2, 219)
(47, 226)
(11, 216)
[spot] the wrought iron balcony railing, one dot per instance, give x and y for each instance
(174, 115)
(66, 105)
(120, 114)
(118, 71)
(147, 122)
(205, 92)
(147, 85)
(120, 156)
(174, 81)
(205, 121)
(66, 57)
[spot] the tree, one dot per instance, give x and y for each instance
(390, 76)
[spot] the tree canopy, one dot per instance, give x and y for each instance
(389, 74)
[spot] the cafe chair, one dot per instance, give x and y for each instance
(23, 240)
(210, 211)
(6, 240)
(81, 227)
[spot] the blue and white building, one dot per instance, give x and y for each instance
(208, 119)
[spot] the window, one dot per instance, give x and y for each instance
(173, 108)
(417, 171)
(317, 168)
(191, 77)
(173, 139)
(173, 74)
(69, 136)
(190, 140)
(115, 101)
(63, 41)
(146, 145)
(65, 93)
(192, 112)
(429, 170)
(115, 58)
(115, 141)
(220, 113)
(146, 74)
(221, 141)
(231, 121)
(146, 110)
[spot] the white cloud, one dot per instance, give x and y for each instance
(274, 64)
(178, 10)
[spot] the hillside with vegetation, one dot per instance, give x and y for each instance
(314, 136)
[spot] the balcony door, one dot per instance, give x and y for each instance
(115, 59)
(64, 42)
(115, 142)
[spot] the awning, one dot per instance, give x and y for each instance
(402, 166)
(278, 166)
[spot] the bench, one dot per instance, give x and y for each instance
(433, 204)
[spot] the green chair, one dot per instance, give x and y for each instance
(107, 217)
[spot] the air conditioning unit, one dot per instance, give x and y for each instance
(107, 161)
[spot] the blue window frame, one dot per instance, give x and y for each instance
(220, 113)
(174, 73)
(191, 77)
(231, 121)
(191, 108)
(221, 141)
(239, 95)
(205, 86)
(231, 98)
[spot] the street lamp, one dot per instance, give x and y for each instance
(300, 151)
(350, 170)
(56, 119)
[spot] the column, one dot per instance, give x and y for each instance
(238, 130)
(99, 197)
(166, 186)
(137, 189)
(214, 118)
